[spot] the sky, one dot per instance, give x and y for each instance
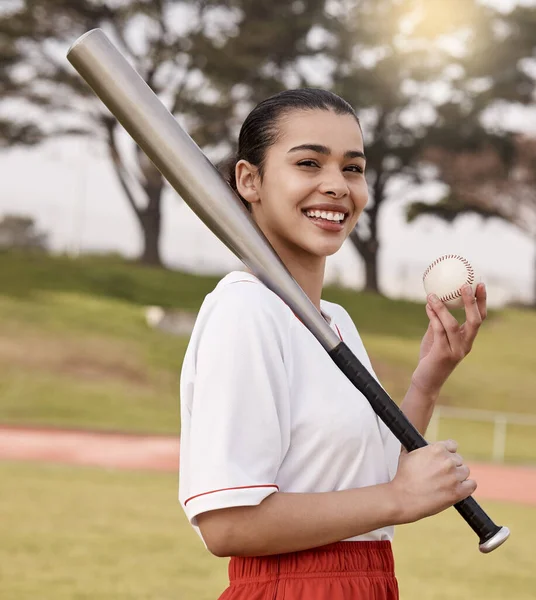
(71, 191)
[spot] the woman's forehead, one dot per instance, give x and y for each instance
(325, 127)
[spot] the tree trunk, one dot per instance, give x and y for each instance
(368, 249)
(151, 241)
(370, 257)
(149, 218)
(534, 280)
(150, 222)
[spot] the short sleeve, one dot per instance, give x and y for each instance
(235, 423)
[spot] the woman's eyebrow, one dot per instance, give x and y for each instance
(325, 150)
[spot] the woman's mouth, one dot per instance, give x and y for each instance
(325, 219)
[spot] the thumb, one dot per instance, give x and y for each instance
(403, 452)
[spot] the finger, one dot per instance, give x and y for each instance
(462, 473)
(449, 445)
(450, 324)
(473, 319)
(436, 325)
(457, 459)
(467, 488)
(481, 300)
(472, 312)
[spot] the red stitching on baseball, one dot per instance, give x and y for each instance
(470, 274)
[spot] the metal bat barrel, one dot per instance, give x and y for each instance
(201, 186)
(187, 169)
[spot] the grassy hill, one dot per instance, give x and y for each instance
(75, 349)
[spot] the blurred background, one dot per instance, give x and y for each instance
(103, 267)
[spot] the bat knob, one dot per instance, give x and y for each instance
(494, 542)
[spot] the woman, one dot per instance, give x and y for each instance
(284, 465)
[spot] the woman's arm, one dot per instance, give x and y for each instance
(286, 522)
(445, 344)
(418, 406)
(428, 481)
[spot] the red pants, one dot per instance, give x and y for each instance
(340, 571)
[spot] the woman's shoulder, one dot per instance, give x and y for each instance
(336, 312)
(342, 319)
(243, 297)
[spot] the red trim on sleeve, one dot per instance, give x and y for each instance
(338, 331)
(244, 487)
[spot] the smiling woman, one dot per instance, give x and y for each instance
(301, 155)
(284, 465)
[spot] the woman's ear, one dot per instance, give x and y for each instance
(247, 180)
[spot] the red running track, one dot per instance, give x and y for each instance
(161, 453)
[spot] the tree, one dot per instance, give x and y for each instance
(494, 174)
(420, 73)
(12, 132)
(187, 51)
(482, 182)
(19, 232)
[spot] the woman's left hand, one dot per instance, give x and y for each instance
(446, 343)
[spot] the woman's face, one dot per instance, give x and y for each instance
(313, 188)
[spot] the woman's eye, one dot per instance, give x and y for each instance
(355, 169)
(307, 163)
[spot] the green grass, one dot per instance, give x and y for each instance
(438, 558)
(475, 440)
(75, 350)
(25, 275)
(72, 360)
(71, 533)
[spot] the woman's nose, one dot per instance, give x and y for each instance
(334, 184)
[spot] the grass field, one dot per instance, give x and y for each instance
(75, 350)
(71, 533)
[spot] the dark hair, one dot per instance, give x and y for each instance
(260, 129)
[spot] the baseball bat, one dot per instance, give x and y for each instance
(201, 186)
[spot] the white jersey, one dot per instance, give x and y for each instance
(264, 409)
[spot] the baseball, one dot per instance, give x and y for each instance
(446, 276)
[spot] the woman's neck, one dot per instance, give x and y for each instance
(309, 274)
(310, 278)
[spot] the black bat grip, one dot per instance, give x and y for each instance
(388, 411)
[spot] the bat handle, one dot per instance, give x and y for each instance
(490, 535)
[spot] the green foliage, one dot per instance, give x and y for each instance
(488, 170)
(207, 60)
(17, 231)
(393, 57)
(387, 58)
(447, 209)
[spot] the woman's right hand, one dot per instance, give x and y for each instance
(429, 480)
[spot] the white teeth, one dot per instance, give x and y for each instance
(329, 216)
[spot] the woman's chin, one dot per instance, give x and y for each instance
(331, 251)
(326, 249)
